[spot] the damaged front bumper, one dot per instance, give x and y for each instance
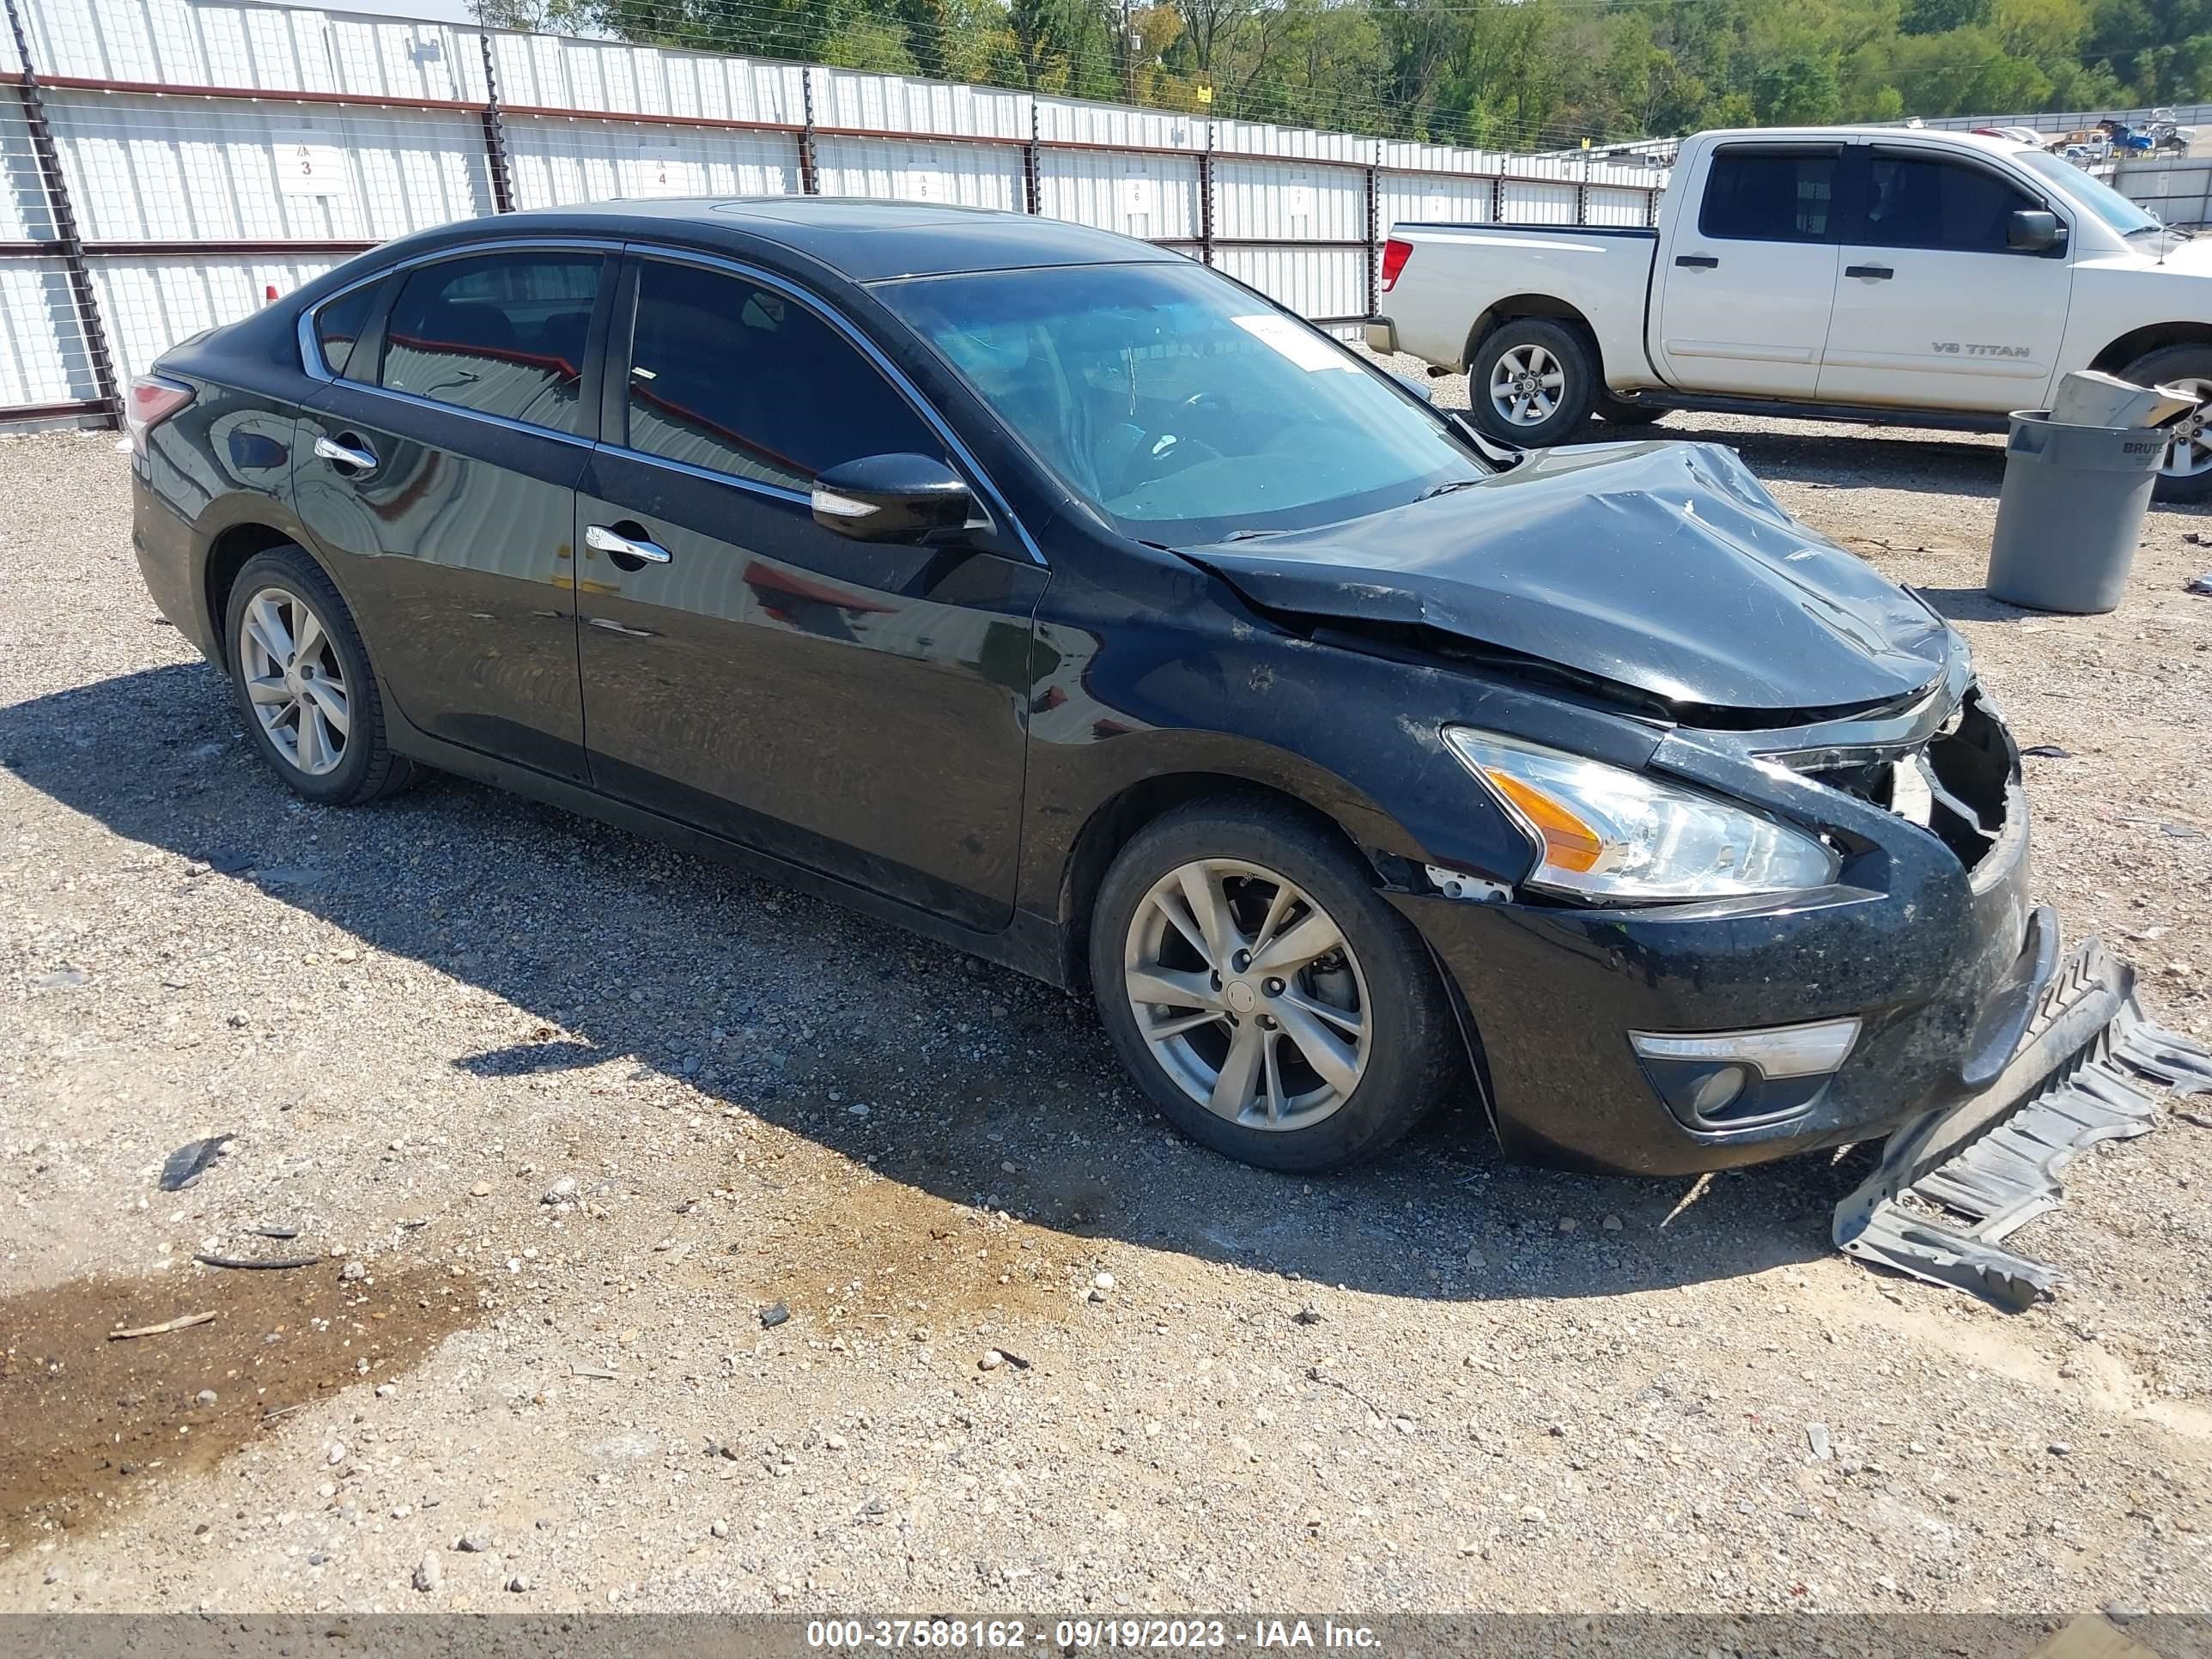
(1981, 1055)
(1953, 1185)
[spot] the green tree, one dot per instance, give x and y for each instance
(1800, 91)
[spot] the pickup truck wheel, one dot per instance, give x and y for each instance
(2185, 474)
(1531, 383)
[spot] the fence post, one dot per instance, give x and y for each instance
(1030, 191)
(495, 130)
(56, 184)
(1204, 198)
(807, 183)
(1373, 252)
(1497, 198)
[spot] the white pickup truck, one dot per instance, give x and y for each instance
(1854, 273)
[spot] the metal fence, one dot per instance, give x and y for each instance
(171, 164)
(2071, 120)
(2176, 188)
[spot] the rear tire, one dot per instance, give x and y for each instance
(1324, 1035)
(2191, 367)
(305, 689)
(1531, 383)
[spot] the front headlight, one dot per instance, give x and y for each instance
(1603, 832)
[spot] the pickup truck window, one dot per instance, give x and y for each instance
(2099, 198)
(1769, 195)
(1924, 201)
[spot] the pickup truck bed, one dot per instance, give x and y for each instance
(1924, 278)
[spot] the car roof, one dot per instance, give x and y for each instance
(863, 240)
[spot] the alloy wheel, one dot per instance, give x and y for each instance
(2188, 441)
(1526, 384)
(1248, 994)
(295, 681)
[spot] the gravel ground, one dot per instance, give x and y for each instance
(569, 1119)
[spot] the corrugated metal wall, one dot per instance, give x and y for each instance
(213, 151)
(2178, 189)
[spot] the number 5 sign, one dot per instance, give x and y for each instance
(309, 163)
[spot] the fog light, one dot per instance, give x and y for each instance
(1809, 1050)
(1718, 1089)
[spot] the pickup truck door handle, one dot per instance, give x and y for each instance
(1697, 261)
(614, 543)
(1878, 273)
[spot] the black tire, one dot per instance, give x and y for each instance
(1415, 1055)
(1626, 411)
(365, 769)
(1573, 399)
(2162, 368)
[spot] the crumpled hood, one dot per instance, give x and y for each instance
(1663, 567)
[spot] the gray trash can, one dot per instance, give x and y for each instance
(2071, 511)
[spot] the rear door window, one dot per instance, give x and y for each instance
(1922, 202)
(1770, 195)
(502, 334)
(736, 378)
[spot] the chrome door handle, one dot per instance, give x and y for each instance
(602, 539)
(360, 460)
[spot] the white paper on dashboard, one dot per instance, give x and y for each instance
(1293, 342)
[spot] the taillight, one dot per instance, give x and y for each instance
(151, 401)
(1395, 255)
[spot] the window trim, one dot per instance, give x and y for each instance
(312, 360)
(1944, 156)
(1833, 152)
(607, 249)
(615, 382)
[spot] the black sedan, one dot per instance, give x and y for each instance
(1061, 600)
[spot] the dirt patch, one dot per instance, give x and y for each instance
(876, 1257)
(94, 1423)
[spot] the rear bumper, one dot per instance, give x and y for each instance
(1941, 971)
(1382, 336)
(173, 561)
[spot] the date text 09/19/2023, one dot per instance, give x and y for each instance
(1088, 1634)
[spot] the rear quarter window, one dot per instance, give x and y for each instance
(339, 323)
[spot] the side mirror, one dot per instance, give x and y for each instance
(1413, 387)
(892, 498)
(2032, 231)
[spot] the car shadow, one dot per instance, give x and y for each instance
(961, 1080)
(1975, 604)
(1843, 456)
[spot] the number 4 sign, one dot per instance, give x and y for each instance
(309, 163)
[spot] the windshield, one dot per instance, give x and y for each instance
(1179, 406)
(2101, 198)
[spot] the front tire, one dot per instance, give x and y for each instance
(2185, 474)
(1531, 383)
(1262, 993)
(310, 702)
